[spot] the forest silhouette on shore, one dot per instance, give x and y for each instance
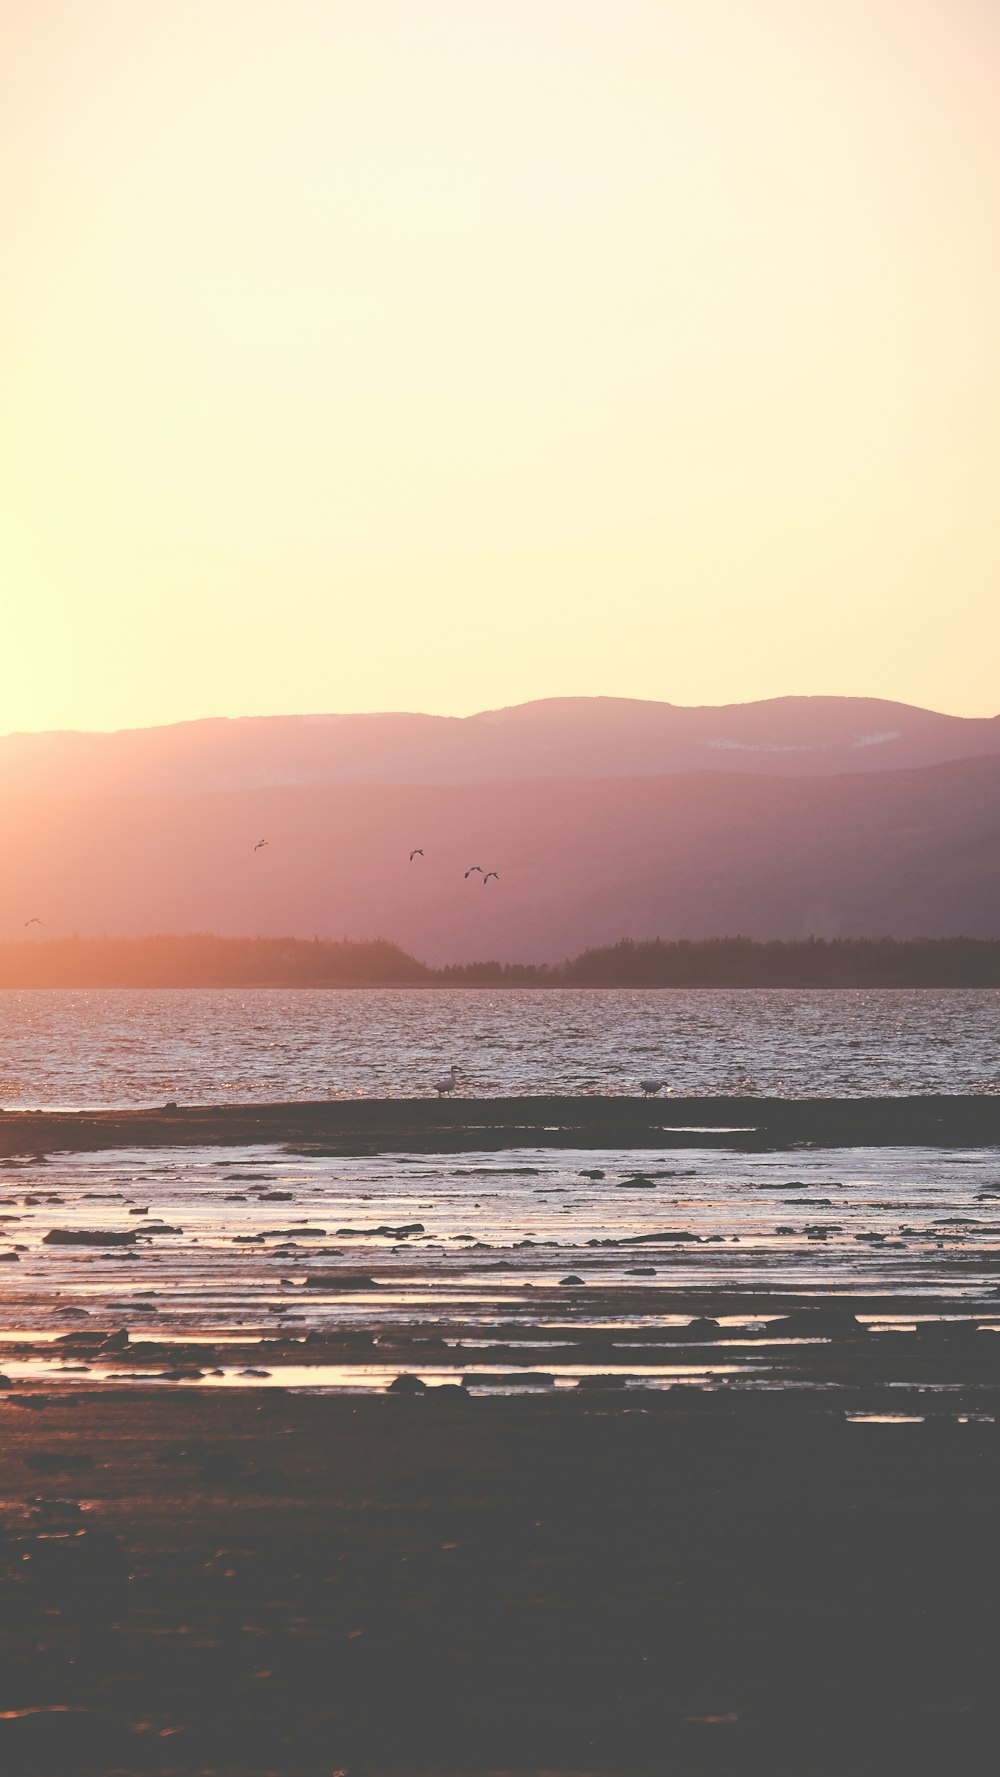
(205, 960)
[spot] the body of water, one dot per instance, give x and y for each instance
(123, 1048)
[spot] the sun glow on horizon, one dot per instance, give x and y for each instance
(447, 356)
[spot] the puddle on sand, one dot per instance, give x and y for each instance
(369, 1378)
(885, 1418)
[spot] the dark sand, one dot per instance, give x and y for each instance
(302, 1585)
(396, 1125)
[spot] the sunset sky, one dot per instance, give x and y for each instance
(441, 354)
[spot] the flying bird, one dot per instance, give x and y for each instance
(448, 1083)
(259, 843)
(495, 875)
(34, 921)
(417, 852)
(471, 871)
(651, 1087)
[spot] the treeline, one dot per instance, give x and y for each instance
(809, 962)
(203, 960)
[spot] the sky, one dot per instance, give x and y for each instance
(443, 354)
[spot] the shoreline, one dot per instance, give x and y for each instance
(395, 1125)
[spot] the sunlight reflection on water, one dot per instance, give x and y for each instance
(119, 1047)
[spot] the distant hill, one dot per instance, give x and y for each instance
(586, 737)
(582, 861)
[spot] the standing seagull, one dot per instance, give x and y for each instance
(471, 871)
(651, 1087)
(259, 843)
(416, 853)
(34, 921)
(494, 873)
(448, 1083)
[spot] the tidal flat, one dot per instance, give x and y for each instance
(534, 1458)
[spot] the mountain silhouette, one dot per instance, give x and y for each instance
(582, 859)
(559, 737)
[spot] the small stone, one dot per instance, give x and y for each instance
(668, 1236)
(89, 1237)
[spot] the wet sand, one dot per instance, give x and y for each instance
(870, 1273)
(393, 1125)
(298, 1585)
(698, 1474)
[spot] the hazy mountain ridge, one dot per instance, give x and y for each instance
(582, 861)
(558, 737)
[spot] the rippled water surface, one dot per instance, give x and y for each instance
(119, 1047)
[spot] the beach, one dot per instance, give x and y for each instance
(458, 1439)
(299, 1585)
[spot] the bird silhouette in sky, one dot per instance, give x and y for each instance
(33, 921)
(495, 875)
(416, 853)
(259, 843)
(471, 871)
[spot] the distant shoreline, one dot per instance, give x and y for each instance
(290, 986)
(205, 960)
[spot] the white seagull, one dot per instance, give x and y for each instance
(448, 1083)
(651, 1087)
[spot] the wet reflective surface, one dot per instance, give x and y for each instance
(260, 1268)
(119, 1048)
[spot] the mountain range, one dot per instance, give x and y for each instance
(557, 737)
(604, 817)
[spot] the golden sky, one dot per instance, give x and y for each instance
(442, 354)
